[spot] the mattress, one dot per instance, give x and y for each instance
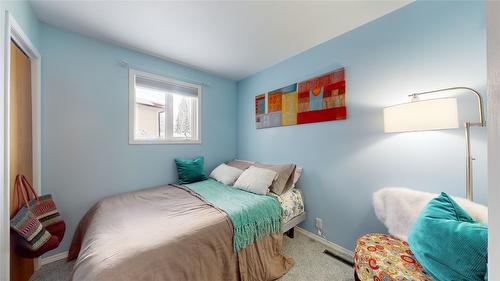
(292, 204)
(168, 233)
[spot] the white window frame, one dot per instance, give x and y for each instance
(131, 122)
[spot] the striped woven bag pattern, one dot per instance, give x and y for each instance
(26, 224)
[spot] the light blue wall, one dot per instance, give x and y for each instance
(426, 45)
(86, 155)
(24, 16)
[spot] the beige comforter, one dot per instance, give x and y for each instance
(168, 233)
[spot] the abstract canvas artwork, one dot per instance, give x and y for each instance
(315, 100)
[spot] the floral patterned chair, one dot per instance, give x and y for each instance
(381, 257)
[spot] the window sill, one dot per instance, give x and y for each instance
(164, 142)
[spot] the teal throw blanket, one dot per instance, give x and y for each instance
(253, 216)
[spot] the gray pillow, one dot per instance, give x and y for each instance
(240, 164)
(284, 181)
(295, 176)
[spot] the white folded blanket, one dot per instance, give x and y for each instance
(398, 208)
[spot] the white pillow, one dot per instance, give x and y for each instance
(225, 174)
(256, 180)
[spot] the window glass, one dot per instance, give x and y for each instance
(164, 110)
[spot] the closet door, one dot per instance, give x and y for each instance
(21, 143)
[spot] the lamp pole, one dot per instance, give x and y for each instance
(468, 164)
(469, 185)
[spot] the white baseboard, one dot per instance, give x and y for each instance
(334, 248)
(53, 258)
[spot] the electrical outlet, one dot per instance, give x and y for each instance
(319, 225)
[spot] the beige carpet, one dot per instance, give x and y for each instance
(310, 264)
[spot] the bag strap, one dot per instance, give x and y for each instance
(21, 193)
(28, 187)
(17, 194)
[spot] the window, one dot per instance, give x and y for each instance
(163, 110)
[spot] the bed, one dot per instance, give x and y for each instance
(292, 204)
(172, 233)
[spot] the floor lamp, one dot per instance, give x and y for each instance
(434, 114)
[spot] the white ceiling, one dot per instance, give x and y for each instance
(231, 39)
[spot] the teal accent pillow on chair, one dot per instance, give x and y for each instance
(448, 243)
(190, 170)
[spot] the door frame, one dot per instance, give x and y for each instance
(13, 31)
(493, 60)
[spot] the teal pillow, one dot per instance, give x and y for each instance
(190, 170)
(448, 243)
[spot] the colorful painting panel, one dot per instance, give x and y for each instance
(260, 104)
(290, 107)
(322, 98)
(316, 100)
(260, 109)
(274, 100)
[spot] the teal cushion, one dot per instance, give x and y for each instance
(190, 170)
(448, 243)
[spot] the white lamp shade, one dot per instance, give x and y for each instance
(424, 115)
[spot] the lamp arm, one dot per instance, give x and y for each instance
(476, 93)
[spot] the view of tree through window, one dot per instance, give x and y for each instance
(182, 123)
